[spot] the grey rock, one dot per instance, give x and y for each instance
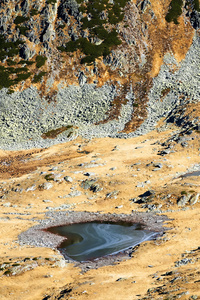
(46, 185)
(8, 204)
(31, 188)
(183, 200)
(68, 179)
(82, 79)
(26, 53)
(193, 200)
(183, 262)
(112, 194)
(74, 194)
(158, 165)
(89, 174)
(47, 201)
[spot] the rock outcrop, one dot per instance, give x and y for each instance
(55, 74)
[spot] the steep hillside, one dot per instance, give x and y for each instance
(110, 65)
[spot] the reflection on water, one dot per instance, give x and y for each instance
(86, 241)
(195, 173)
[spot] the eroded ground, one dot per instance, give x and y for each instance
(107, 176)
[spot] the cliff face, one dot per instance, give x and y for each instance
(70, 64)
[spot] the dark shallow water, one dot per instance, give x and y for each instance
(195, 173)
(87, 241)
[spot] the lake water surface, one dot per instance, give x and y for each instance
(87, 241)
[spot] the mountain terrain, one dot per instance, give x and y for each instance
(99, 119)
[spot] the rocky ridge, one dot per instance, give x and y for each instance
(117, 96)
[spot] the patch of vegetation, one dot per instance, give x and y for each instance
(8, 48)
(49, 177)
(27, 62)
(34, 12)
(23, 29)
(175, 10)
(183, 193)
(38, 77)
(20, 19)
(8, 272)
(10, 91)
(22, 76)
(104, 38)
(52, 134)
(61, 26)
(11, 62)
(40, 61)
(196, 5)
(51, 1)
(193, 5)
(164, 92)
(5, 80)
(5, 73)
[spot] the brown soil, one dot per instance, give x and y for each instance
(42, 273)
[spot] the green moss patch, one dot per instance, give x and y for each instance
(40, 61)
(20, 19)
(38, 77)
(98, 28)
(49, 177)
(51, 1)
(175, 10)
(34, 12)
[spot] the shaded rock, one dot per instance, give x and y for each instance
(183, 262)
(86, 184)
(74, 194)
(158, 165)
(82, 79)
(31, 188)
(8, 204)
(46, 186)
(194, 199)
(164, 152)
(68, 179)
(95, 188)
(26, 53)
(183, 200)
(89, 174)
(112, 194)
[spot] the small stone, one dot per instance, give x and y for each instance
(120, 206)
(53, 169)
(194, 199)
(61, 263)
(140, 184)
(46, 186)
(89, 174)
(68, 179)
(74, 194)
(48, 276)
(158, 165)
(183, 200)
(31, 188)
(7, 204)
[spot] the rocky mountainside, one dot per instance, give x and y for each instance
(109, 68)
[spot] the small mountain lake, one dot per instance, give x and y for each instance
(91, 240)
